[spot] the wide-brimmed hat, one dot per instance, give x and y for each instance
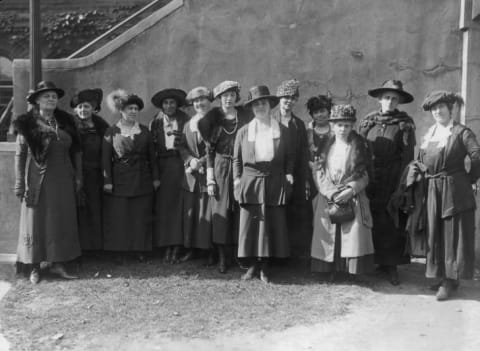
(392, 85)
(172, 93)
(259, 92)
(343, 113)
(198, 92)
(288, 88)
(42, 87)
(92, 96)
(438, 96)
(225, 86)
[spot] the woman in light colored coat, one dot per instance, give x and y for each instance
(343, 176)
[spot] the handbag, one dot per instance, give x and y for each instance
(341, 212)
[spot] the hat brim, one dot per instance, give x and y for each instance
(33, 96)
(333, 120)
(176, 94)
(235, 89)
(405, 97)
(271, 98)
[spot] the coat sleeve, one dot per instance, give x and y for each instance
(325, 186)
(183, 148)
(21, 152)
(473, 150)
(359, 184)
(408, 144)
(107, 154)
(304, 150)
(237, 163)
(289, 154)
(152, 159)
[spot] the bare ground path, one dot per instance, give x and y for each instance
(368, 315)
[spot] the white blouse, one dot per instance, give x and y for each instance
(337, 159)
(263, 139)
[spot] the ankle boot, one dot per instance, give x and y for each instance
(264, 273)
(168, 255)
(175, 252)
(222, 260)
(250, 273)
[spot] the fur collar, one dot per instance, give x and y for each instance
(38, 135)
(359, 159)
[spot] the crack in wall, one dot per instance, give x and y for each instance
(434, 71)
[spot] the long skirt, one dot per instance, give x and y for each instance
(224, 207)
(352, 265)
(197, 220)
(90, 211)
(451, 245)
(127, 223)
(168, 210)
(48, 231)
(389, 242)
(263, 232)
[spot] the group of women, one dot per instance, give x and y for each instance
(242, 176)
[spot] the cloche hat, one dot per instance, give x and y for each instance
(225, 86)
(92, 96)
(259, 92)
(435, 97)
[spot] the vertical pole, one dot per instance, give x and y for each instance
(35, 44)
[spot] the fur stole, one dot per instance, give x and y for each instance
(404, 121)
(99, 124)
(359, 159)
(39, 135)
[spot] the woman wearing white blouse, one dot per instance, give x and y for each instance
(262, 171)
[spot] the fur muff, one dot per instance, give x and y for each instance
(210, 123)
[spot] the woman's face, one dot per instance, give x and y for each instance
(228, 99)
(130, 112)
(169, 106)
(287, 103)
(342, 129)
(201, 105)
(47, 100)
(261, 107)
(441, 113)
(389, 101)
(84, 110)
(321, 116)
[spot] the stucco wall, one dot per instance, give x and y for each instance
(341, 46)
(344, 47)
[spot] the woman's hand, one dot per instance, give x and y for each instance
(289, 178)
(194, 164)
(212, 189)
(156, 184)
(307, 190)
(108, 188)
(345, 195)
(78, 185)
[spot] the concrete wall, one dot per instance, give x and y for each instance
(343, 47)
(9, 204)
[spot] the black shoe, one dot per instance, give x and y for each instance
(187, 257)
(250, 273)
(168, 255)
(393, 274)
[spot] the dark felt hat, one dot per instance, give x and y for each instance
(392, 85)
(42, 87)
(259, 92)
(92, 96)
(132, 99)
(343, 113)
(177, 94)
(438, 96)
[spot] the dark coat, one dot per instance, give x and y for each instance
(192, 146)
(158, 134)
(129, 165)
(263, 182)
(299, 143)
(33, 143)
(457, 195)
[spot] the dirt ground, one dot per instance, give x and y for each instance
(152, 306)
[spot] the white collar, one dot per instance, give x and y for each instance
(252, 129)
(194, 122)
(438, 133)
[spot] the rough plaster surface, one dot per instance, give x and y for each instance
(342, 47)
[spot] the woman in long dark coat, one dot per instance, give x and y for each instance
(299, 230)
(48, 172)
(262, 169)
(130, 178)
(391, 135)
(219, 128)
(450, 200)
(166, 129)
(91, 128)
(197, 210)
